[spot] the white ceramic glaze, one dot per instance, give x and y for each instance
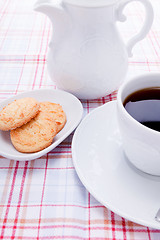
(91, 3)
(87, 56)
(141, 144)
(102, 167)
(72, 107)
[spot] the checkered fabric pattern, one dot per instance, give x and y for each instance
(44, 198)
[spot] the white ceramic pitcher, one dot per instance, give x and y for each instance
(87, 56)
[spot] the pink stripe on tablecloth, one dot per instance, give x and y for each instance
(89, 217)
(38, 56)
(9, 200)
(124, 229)
(40, 214)
(19, 201)
(113, 226)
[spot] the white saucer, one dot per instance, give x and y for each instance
(106, 173)
(71, 106)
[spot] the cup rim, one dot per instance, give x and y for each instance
(124, 111)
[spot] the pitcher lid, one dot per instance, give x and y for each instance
(91, 3)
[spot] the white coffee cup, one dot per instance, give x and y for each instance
(140, 143)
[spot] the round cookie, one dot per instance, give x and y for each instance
(55, 110)
(36, 134)
(17, 113)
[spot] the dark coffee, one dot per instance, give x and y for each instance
(144, 106)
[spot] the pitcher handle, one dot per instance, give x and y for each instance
(146, 26)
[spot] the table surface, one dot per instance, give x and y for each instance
(44, 198)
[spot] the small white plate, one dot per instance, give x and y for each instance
(71, 106)
(106, 173)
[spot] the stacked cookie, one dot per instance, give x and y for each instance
(32, 125)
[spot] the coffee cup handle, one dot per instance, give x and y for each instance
(146, 26)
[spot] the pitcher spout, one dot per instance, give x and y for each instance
(47, 7)
(56, 13)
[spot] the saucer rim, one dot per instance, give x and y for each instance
(88, 186)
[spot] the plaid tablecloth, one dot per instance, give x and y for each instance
(44, 198)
